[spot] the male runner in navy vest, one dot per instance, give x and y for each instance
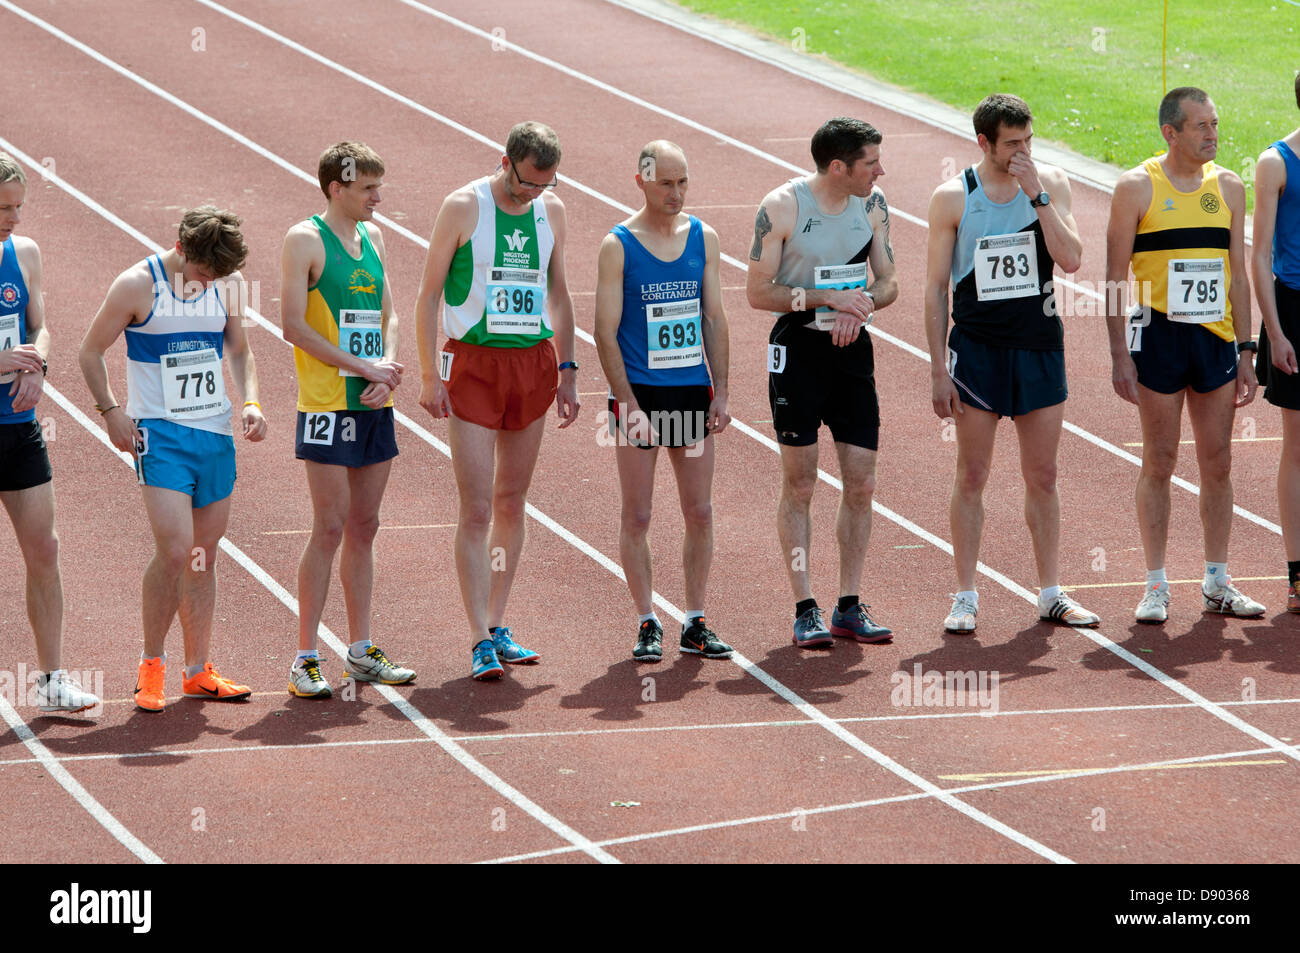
(1179, 219)
(496, 258)
(813, 239)
(995, 232)
(658, 318)
(1275, 263)
(26, 480)
(181, 313)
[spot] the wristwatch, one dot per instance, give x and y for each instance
(1248, 346)
(1041, 199)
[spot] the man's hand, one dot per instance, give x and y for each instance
(1124, 376)
(1246, 382)
(122, 430)
(851, 301)
(26, 390)
(1022, 167)
(567, 404)
(24, 357)
(846, 329)
(433, 398)
(1282, 354)
(944, 397)
(384, 372)
(636, 425)
(718, 418)
(254, 423)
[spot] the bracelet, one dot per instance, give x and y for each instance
(569, 364)
(104, 410)
(252, 403)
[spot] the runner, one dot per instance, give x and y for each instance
(181, 313)
(658, 317)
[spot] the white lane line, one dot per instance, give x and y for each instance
(70, 784)
(803, 813)
(421, 722)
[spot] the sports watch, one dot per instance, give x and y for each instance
(1041, 199)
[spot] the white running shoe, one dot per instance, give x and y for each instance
(962, 617)
(306, 681)
(374, 666)
(1154, 606)
(1228, 600)
(61, 692)
(1064, 609)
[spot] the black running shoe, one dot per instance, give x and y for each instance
(699, 639)
(649, 642)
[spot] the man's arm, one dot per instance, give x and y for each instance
(302, 247)
(1270, 179)
(453, 227)
(377, 393)
(26, 359)
(242, 366)
(717, 346)
(1060, 233)
(560, 306)
(129, 292)
(1132, 195)
(945, 214)
(609, 315)
(884, 287)
(1234, 195)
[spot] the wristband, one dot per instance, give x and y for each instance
(1248, 346)
(569, 364)
(252, 403)
(104, 410)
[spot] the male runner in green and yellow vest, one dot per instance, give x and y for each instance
(337, 312)
(497, 256)
(1179, 219)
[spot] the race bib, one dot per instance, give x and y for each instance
(318, 428)
(192, 384)
(834, 278)
(1197, 290)
(8, 339)
(776, 358)
(515, 298)
(444, 365)
(673, 337)
(1006, 266)
(361, 335)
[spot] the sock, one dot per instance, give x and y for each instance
(801, 607)
(1293, 571)
(691, 617)
(1216, 575)
(358, 649)
(971, 596)
(1156, 577)
(1048, 595)
(192, 670)
(847, 602)
(303, 654)
(147, 658)
(649, 617)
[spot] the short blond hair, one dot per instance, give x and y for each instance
(344, 161)
(11, 171)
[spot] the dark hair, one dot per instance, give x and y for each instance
(1297, 88)
(532, 140)
(344, 161)
(842, 138)
(210, 237)
(1171, 107)
(997, 110)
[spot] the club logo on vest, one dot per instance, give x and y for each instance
(517, 241)
(1209, 202)
(8, 293)
(809, 226)
(355, 285)
(1169, 205)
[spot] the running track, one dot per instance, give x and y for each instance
(1130, 744)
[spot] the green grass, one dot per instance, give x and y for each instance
(1090, 71)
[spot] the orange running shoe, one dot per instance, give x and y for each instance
(209, 684)
(149, 680)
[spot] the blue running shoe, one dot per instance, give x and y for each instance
(857, 624)
(810, 631)
(510, 651)
(485, 664)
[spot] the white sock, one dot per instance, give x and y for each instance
(1216, 576)
(1156, 577)
(971, 596)
(192, 670)
(145, 658)
(1048, 595)
(358, 649)
(691, 617)
(649, 617)
(302, 654)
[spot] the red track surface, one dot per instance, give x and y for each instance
(718, 746)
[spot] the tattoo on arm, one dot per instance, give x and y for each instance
(762, 228)
(878, 199)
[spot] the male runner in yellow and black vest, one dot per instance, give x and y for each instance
(337, 312)
(1179, 219)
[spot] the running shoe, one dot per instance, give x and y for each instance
(1228, 600)
(510, 651)
(374, 666)
(149, 680)
(61, 692)
(961, 620)
(810, 630)
(306, 681)
(1293, 598)
(1064, 609)
(649, 642)
(699, 639)
(212, 685)
(1154, 606)
(484, 664)
(856, 624)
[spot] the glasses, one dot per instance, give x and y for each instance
(533, 185)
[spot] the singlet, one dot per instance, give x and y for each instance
(496, 287)
(1002, 273)
(13, 327)
(173, 359)
(660, 333)
(1182, 245)
(825, 251)
(1286, 230)
(344, 307)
